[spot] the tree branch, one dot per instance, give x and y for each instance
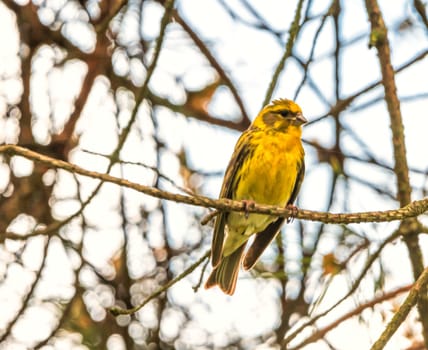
(142, 93)
(379, 39)
(358, 310)
(355, 284)
(245, 121)
(292, 35)
(413, 209)
(403, 311)
(119, 311)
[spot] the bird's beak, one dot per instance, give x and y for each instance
(301, 119)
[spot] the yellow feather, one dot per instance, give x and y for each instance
(268, 177)
(267, 168)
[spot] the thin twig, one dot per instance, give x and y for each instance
(26, 300)
(371, 259)
(403, 311)
(420, 8)
(312, 52)
(207, 218)
(356, 311)
(292, 35)
(149, 167)
(344, 103)
(198, 285)
(216, 65)
(142, 93)
(119, 311)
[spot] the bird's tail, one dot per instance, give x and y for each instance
(225, 274)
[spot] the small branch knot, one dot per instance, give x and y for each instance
(377, 38)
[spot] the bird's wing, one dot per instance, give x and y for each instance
(263, 239)
(231, 178)
(298, 183)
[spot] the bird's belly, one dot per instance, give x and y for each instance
(241, 226)
(271, 176)
(270, 179)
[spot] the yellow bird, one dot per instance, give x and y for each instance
(267, 167)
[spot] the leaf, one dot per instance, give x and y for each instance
(330, 265)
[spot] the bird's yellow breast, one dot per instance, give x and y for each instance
(269, 174)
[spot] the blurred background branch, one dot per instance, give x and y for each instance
(117, 119)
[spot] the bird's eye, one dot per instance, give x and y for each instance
(284, 113)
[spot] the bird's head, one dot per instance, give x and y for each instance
(280, 115)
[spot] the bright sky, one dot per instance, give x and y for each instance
(250, 57)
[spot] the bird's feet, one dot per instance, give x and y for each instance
(294, 210)
(247, 204)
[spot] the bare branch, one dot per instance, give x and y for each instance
(293, 32)
(413, 209)
(403, 311)
(356, 311)
(119, 311)
(379, 39)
